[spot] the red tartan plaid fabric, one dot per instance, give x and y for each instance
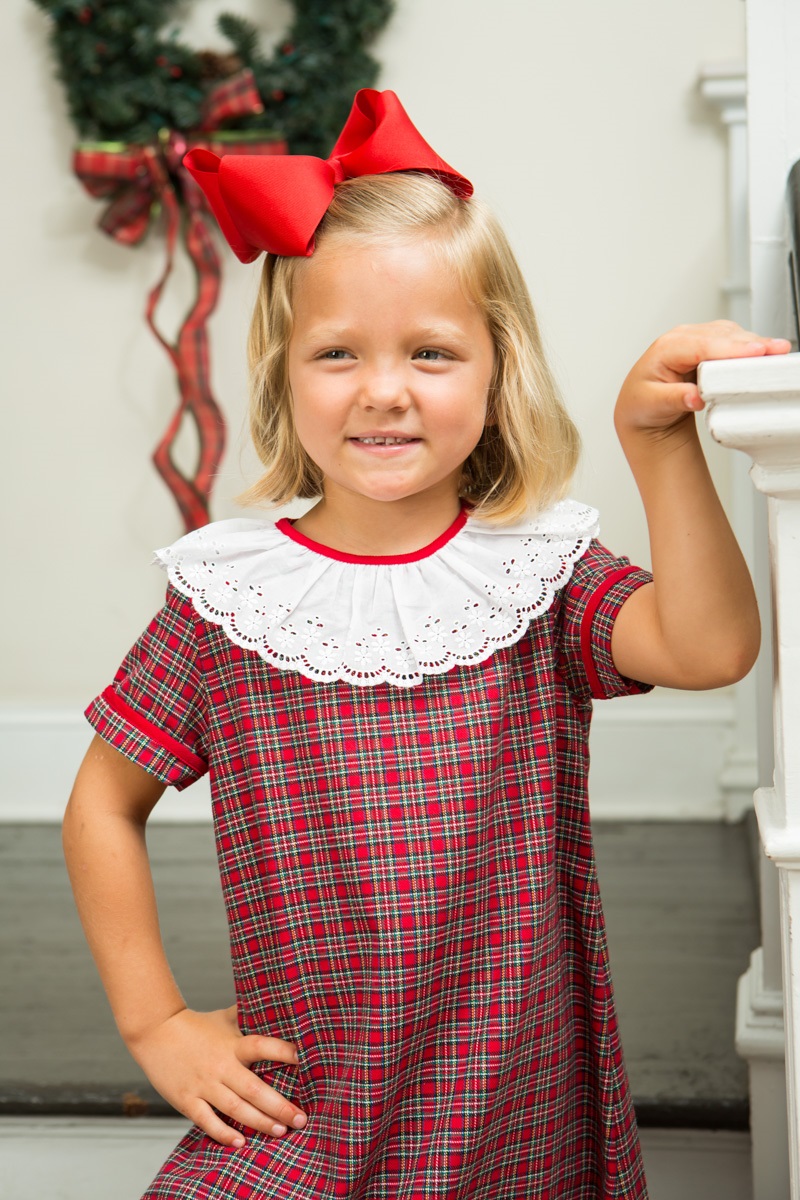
(411, 891)
(236, 96)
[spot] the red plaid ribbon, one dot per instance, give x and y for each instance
(236, 96)
(138, 180)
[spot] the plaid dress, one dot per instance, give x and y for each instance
(409, 878)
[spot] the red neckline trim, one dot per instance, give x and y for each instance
(286, 526)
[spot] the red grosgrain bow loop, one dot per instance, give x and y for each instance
(276, 203)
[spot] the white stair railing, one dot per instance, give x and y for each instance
(754, 406)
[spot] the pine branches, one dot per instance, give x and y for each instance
(128, 76)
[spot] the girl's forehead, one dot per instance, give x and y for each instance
(346, 270)
(344, 249)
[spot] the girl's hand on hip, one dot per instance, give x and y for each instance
(200, 1061)
(659, 395)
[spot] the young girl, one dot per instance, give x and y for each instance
(392, 696)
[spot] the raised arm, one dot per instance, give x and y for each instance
(195, 1060)
(696, 626)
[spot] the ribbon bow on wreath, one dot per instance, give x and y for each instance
(128, 75)
(139, 181)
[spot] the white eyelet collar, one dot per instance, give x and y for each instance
(304, 607)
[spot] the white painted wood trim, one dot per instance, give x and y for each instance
(759, 1022)
(749, 381)
(636, 774)
(65, 1158)
(780, 836)
(760, 1040)
(754, 406)
(40, 752)
(724, 85)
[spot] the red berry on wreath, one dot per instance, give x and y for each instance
(85, 15)
(162, 61)
(278, 94)
(287, 48)
(175, 72)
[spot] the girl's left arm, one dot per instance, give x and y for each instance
(696, 626)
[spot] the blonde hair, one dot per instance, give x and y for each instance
(529, 447)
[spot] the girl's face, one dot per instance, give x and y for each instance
(385, 342)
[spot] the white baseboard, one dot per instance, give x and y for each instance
(68, 1158)
(658, 757)
(697, 1164)
(40, 752)
(74, 1158)
(662, 757)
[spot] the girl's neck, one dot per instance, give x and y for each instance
(359, 525)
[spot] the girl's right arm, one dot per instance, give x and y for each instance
(195, 1060)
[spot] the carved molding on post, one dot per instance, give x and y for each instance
(724, 85)
(753, 405)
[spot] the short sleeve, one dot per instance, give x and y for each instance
(153, 711)
(589, 603)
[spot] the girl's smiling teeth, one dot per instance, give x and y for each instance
(387, 440)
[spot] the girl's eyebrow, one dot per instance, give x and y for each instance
(422, 333)
(326, 333)
(441, 333)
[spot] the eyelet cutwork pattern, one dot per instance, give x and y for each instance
(384, 622)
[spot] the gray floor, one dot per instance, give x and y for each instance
(682, 919)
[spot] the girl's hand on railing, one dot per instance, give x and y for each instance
(200, 1061)
(696, 626)
(660, 394)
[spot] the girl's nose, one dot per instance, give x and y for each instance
(384, 388)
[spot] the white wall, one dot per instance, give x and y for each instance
(580, 123)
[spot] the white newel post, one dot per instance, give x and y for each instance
(754, 406)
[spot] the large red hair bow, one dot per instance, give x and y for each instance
(275, 202)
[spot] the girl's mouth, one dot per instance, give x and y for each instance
(385, 446)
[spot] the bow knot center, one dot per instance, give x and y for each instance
(339, 175)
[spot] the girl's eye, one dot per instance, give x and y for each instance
(335, 355)
(431, 355)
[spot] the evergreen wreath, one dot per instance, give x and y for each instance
(139, 97)
(127, 76)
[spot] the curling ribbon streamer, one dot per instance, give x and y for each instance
(139, 180)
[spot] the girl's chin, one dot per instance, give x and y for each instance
(382, 491)
(384, 485)
(387, 495)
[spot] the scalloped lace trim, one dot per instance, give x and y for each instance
(372, 623)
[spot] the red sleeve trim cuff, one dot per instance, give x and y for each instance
(153, 732)
(586, 625)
